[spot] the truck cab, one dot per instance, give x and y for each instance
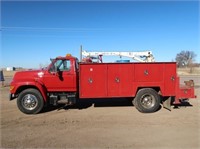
(58, 83)
(61, 75)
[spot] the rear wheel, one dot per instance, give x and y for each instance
(147, 100)
(30, 101)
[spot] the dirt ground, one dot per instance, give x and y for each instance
(103, 124)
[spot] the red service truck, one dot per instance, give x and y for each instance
(67, 80)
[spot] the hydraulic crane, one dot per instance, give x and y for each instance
(145, 56)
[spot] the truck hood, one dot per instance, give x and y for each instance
(28, 75)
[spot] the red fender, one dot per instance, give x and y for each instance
(39, 85)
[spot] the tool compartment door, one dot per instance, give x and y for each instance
(170, 79)
(126, 79)
(120, 78)
(114, 80)
(93, 83)
(149, 73)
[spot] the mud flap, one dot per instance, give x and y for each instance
(167, 103)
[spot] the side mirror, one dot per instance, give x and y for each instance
(55, 73)
(53, 70)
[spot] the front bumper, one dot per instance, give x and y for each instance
(12, 96)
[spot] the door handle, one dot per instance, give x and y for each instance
(117, 80)
(172, 78)
(90, 80)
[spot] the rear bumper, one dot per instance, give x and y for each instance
(185, 91)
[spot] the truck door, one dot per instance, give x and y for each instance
(60, 76)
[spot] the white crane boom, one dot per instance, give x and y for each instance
(145, 56)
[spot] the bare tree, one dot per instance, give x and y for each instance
(185, 58)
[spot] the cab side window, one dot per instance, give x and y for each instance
(64, 65)
(61, 65)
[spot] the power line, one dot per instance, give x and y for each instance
(3, 28)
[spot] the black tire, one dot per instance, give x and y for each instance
(147, 100)
(30, 101)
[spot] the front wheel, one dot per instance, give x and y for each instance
(30, 101)
(147, 100)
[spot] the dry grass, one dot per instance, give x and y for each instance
(189, 71)
(9, 73)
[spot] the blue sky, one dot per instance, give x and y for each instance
(32, 32)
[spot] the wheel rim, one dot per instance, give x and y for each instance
(148, 101)
(29, 102)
